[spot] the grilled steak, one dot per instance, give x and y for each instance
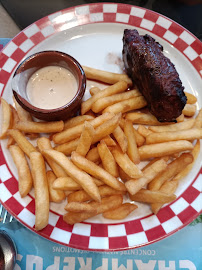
(154, 74)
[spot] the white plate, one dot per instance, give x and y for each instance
(93, 35)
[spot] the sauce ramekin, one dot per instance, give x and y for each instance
(43, 59)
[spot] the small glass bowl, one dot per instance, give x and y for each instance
(43, 59)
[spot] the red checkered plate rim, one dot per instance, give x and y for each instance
(97, 235)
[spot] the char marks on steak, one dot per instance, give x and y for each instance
(154, 74)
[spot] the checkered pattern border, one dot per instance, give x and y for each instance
(101, 236)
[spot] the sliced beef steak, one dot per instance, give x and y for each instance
(154, 74)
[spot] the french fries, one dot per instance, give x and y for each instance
(127, 105)
(120, 212)
(174, 127)
(40, 190)
(22, 114)
(191, 99)
(106, 204)
(82, 196)
(6, 118)
(198, 120)
(80, 207)
(106, 128)
(148, 196)
(189, 110)
(79, 176)
(93, 150)
(126, 164)
(147, 119)
(24, 174)
(104, 102)
(105, 76)
(45, 144)
(54, 195)
(132, 150)
(118, 87)
(86, 139)
(107, 158)
(40, 127)
(121, 138)
(93, 155)
(163, 149)
(75, 132)
(96, 171)
(168, 188)
(77, 120)
(134, 185)
(188, 134)
(22, 142)
(173, 168)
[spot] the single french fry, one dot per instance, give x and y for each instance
(80, 207)
(106, 128)
(23, 115)
(54, 195)
(75, 132)
(105, 76)
(198, 120)
(44, 143)
(121, 138)
(40, 189)
(10, 141)
(126, 164)
(132, 145)
(109, 141)
(144, 131)
(93, 155)
(107, 158)
(96, 171)
(66, 183)
(189, 110)
(168, 188)
(6, 121)
(147, 119)
(127, 105)
(104, 102)
(15, 116)
(120, 212)
(24, 174)
(86, 139)
(149, 196)
(124, 177)
(191, 99)
(67, 148)
(163, 149)
(94, 90)
(40, 127)
(134, 185)
(106, 204)
(174, 127)
(78, 175)
(187, 169)
(118, 87)
(168, 136)
(77, 120)
(139, 138)
(173, 169)
(22, 142)
(82, 196)
(166, 158)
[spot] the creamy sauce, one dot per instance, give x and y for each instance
(51, 87)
